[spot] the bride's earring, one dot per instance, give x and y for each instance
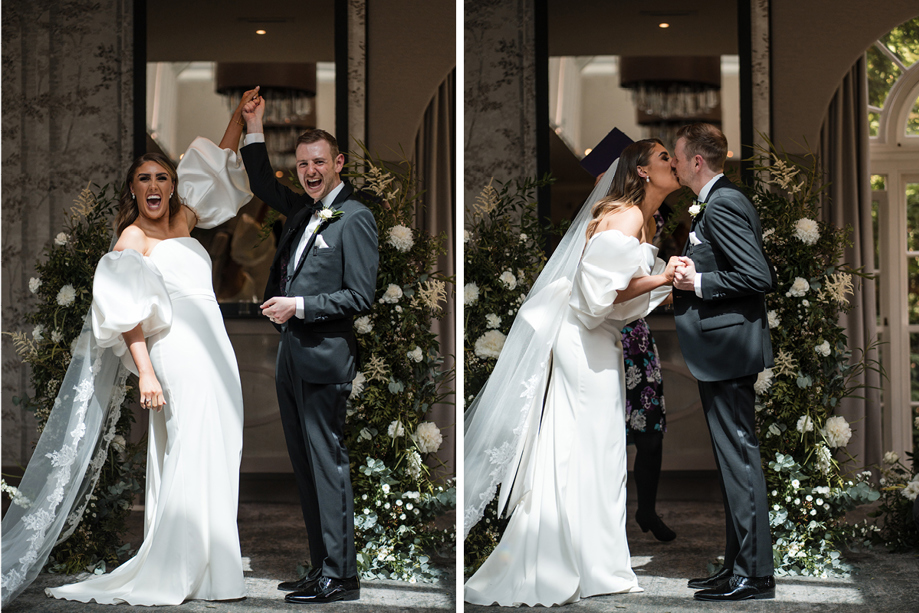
(648, 179)
(133, 197)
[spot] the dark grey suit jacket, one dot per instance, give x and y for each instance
(336, 282)
(725, 334)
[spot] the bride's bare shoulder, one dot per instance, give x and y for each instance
(132, 237)
(628, 220)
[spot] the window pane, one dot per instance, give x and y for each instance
(914, 366)
(904, 41)
(879, 183)
(912, 216)
(912, 122)
(874, 123)
(882, 74)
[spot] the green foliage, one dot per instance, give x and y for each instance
(63, 294)
(403, 376)
(814, 370)
(503, 255)
(896, 527)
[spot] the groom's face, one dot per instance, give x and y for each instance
(682, 167)
(317, 170)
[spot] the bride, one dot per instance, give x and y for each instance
(542, 427)
(153, 310)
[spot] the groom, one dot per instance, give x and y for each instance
(324, 273)
(720, 308)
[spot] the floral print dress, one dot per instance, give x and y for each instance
(644, 395)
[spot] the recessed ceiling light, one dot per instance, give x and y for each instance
(663, 25)
(587, 151)
(260, 32)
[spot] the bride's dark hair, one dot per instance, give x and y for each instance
(127, 210)
(627, 188)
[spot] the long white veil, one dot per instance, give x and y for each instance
(65, 465)
(501, 423)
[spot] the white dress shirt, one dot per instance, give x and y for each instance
(703, 197)
(258, 137)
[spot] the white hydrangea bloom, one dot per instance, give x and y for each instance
(66, 296)
(807, 231)
(767, 235)
(363, 325)
(508, 279)
(396, 429)
(763, 382)
(490, 344)
(823, 348)
(774, 320)
(400, 237)
(837, 431)
(492, 321)
(416, 355)
(38, 333)
(523, 237)
(427, 437)
(34, 284)
(805, 424)
(393, 294)
(61, 239)
(470, 293)
(911, 490)
(799, 287)
(467, 236)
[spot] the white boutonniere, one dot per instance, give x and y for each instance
(326, 214)
(696, 208)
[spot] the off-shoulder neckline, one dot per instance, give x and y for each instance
(596, 234)
(174, 238)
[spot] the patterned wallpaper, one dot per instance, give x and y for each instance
(67, 113)
(500, 93)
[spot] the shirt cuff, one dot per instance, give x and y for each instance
(255, 137)
(697, 284)
(299, 312)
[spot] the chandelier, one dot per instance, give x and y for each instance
(672, 88)
(289, 89)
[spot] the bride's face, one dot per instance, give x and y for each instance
(659, 170)
(152, 187)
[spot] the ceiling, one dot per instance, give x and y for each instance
(630, 27)
(224, 31)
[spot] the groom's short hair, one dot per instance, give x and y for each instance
(706, 140)
(314, 135)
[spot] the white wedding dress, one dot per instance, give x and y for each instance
(566, 538)
(191, 542)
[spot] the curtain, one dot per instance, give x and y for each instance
(435, 165)
(843, 155)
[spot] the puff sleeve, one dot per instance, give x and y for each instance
(128, 290)
(212, 182)
(610, 261)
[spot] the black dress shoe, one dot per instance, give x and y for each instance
(654, 523)
(717, 580)
(311, 578)
(327, 590)
(740, 588)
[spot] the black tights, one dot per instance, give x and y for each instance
(649, 446)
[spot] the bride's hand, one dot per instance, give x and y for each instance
(670, 271)
(151, 393)
(247, 97)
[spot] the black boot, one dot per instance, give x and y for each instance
(649, 446)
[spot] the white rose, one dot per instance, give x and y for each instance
(357, 385)
(523, 237)
(807, 231)
(805, 424)
(467, 236)
(416, 355)
(891, 457)
(363, 325)
(470, 293)
(695, 209)
(393, 294)
(34, 284)
(38, 333)
(490, 344)
(911, 490)
(325, 213)
(508, 279)
(823, 348)
(66, 296)
(427, 437)
(61, 239)
(774, 320)
(400, 237)
(763, 382)
(492, 321)
(799, 287)
(837, 431)
(396, 429)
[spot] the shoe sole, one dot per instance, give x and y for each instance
(337, 598)
(768, 596)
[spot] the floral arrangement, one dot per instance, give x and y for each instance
(391, 444)
(801, 438)
(497, 283)
(62, 297)
(896, 527)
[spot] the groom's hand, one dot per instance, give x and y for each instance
(279, 309)
(685, 275)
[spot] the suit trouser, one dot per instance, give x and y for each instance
(729, 411)
(313, 417)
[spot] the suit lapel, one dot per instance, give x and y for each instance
(340, 199)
